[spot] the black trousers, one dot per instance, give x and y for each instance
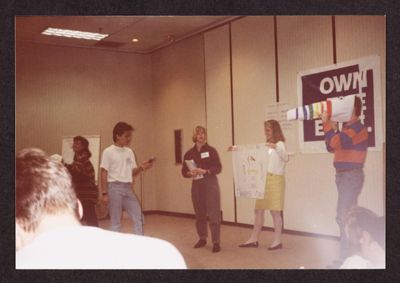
(89, 213)
(206, 202)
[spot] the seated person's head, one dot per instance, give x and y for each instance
(43, 188)
(366, 232)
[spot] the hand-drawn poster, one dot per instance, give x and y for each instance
(250, 164)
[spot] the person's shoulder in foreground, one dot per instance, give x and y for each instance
(85, 247)
(49, 234)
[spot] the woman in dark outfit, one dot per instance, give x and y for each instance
(205, 190)
(82, 173)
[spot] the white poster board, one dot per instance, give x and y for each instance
(250, 163)
(94, 147)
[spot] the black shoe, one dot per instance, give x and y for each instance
(216, 248)
(200, 244)
(277, 247)
(249, 245)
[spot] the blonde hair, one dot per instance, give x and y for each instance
(196, 130)
(277, 134)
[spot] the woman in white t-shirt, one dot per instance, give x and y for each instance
(274, 187)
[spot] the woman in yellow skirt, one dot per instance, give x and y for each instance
(274, 188)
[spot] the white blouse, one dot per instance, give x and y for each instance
(277, 159)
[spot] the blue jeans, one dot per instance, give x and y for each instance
(349, 185)
(120, 196)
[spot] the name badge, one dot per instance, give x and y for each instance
(205, 154)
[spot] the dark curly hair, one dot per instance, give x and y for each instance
(85, 144)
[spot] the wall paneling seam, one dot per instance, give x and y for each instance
(232, 113)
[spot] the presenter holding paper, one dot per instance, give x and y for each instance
(274, 193)
(205, 188)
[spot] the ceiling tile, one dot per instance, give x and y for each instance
(152, 31)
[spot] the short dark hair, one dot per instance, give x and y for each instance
(357, 106)
(277, 134)
(42, 186)
(359, 219)
(85, 144)
(120, 128)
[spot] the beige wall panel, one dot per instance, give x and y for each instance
(179, 103)
(218, 102)
(310, 200)
(70, 91)
(361, 36)
(310, 197)
(253, 66)
(303, 43)
(367, 36)
(373, 195)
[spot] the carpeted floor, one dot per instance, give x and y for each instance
(298, 251)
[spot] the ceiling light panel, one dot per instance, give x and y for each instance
(74, 34)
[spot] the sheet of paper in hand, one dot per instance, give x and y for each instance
(191, 166)
(250, 163)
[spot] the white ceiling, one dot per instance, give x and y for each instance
(153, 32)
